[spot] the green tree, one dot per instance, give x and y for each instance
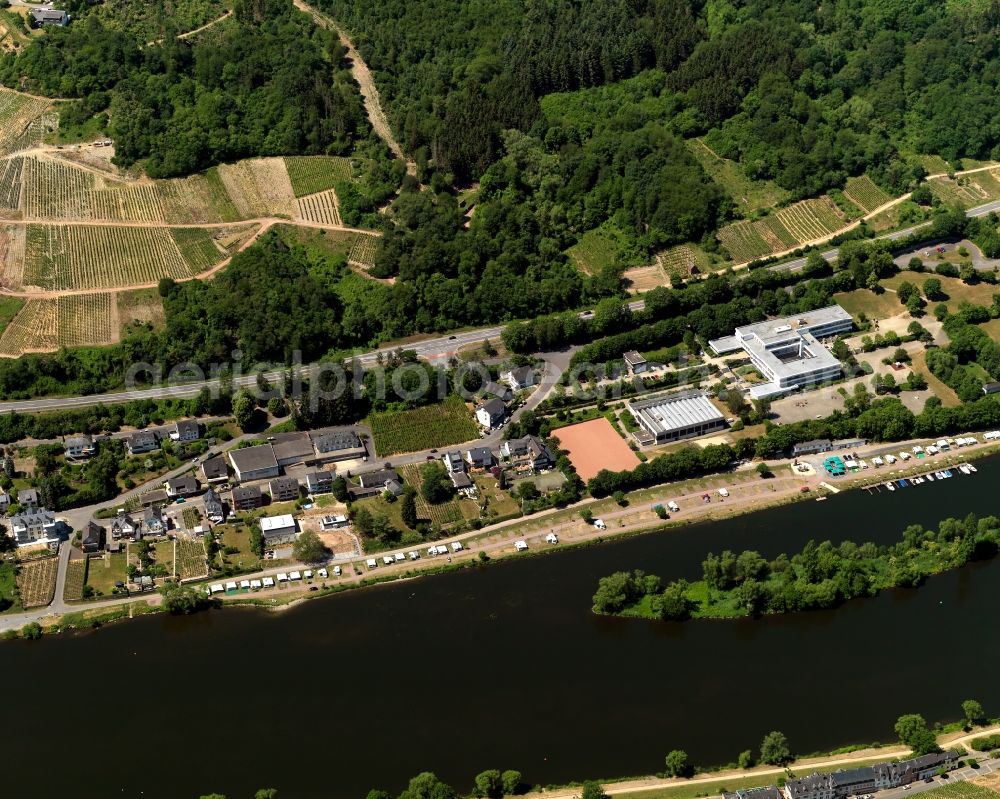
(932, 290)
(914, 733)
(774, 749)
(408, 510)
(427, 786)
(31, 631)
(244, 410)
(745, 760)
(183, 599)
(266, 793)
(257, 541)
(511, 782)
(489, 783)
(587, 515)
(436, 486)
(339, 489)
(593, 790)
(309, 548)
(914, 305)
(677, 764)
(973, 713)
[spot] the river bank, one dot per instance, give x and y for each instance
(747, 493)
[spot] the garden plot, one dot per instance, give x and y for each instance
(363, 251)
(865, 194)
(191, 560)
(34, 329)
(11, 255)
(196, 199)
(259, 188)
(320, 208)
(60, 257)
(311, 174)
(36, 582)
(11, 171)
(87, 319)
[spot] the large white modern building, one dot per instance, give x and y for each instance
(671, 417)
(787, 351)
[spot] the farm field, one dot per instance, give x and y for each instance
(11, 171)
(441, 425)
(311, 174)
(865, 194)
(197, 247)
(19, 120)
(969, 190)
(61, 257)
(191, 560)
(197, 199)
(34, 329)
(141, 305)
(36, 581)
(259, 188)
(749, 195)
(86, 319)
(76, 576)
(785, 229)
(320, 208)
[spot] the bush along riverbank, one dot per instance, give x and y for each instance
(820, 576)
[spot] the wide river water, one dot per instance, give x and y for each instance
(504, 667)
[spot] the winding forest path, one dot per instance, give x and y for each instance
(366, 84)
(206, 26)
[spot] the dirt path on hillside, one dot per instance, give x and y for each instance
(363, 75)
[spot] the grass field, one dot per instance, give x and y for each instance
(244, 558)
(872, 305)
(36, 581)
(595, 250)
(8, 585)
(163, 555)
(441, 425)
(955, 290)
(311, 174)
(749, 195)
(948, 397)
(787, 228)
(9, 308)
(102, 574)
(140, 305)
(961, 790)
(76, 574)
(865, 194)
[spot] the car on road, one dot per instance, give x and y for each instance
(452, 338)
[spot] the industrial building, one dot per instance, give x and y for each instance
(671, 417)
(787, 351)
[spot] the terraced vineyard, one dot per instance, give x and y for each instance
(786, 229)
(363, 251)
(11, 254)
(682, 260)
(865, 194)
(34, 329)
(969, 190)
(197, 247)
(61, 257)
(86, 319)
(36, 582)
(259, 188)
(10, 185)
(56, 190)
(448, 422)
(313, 174)
(21, 120)
(135, 202)
(320, 208)
(197, 199)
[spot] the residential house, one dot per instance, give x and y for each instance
(635, 363)
(277, 529)
(453, 461)
(498, 390)
(33, 525)
(813, 447)
(92, 538)
(338, 445)
(49, 16)
(181, 486)
(27, 498)
(491, 413)
(284, 489)
(527, 454)
(371, 483)
(394, 487)
(328, 523)
(479, 457)
(292, 448)
(124, 526)
(141, 441)
(186, 430)
(153, 498)
(455, 465)
(254, 463)
(215, 512)
(867, 779)
(215, 470)
(762, 792)
(247, 498)
(4, 501)
(319, 482)
(153, 523)
(991, 388)
(79, 447)
(519, 378)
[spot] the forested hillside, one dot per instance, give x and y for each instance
(271, 83)
(801, 92)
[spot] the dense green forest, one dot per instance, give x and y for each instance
(820, 576)
(271, 83)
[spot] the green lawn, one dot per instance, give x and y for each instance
(244, 559)
(163, 555)
(963, 789)
(8, 586)
(102, 574)
(953, 287)
(872, 305)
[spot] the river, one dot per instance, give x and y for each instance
(504, 667)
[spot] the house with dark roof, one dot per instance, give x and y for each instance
(292, 448)
(27, 498)
(284, 489)
(49, 16)
(79, 447)
(215, 470)
(141, 441)
(92, 538)
(125, 527)
(498, 390)
(153, 498)
(319, 482)
(247, 498)
(378, 478)
(634, 362)
(479, 457)
(181, 486)
(371, 483)
(254, 463)
(153, 523)
(337, 445)
(214, 510)
(491, 413)
(528, 454)
(33, 525)
(186, 430)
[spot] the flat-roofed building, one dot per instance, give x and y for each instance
(278, 529)
(671, 417)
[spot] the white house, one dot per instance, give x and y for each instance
(278, 529)
(491, 413)
(186, 430)
(35, 524)
(80, 447)
(519, 377)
